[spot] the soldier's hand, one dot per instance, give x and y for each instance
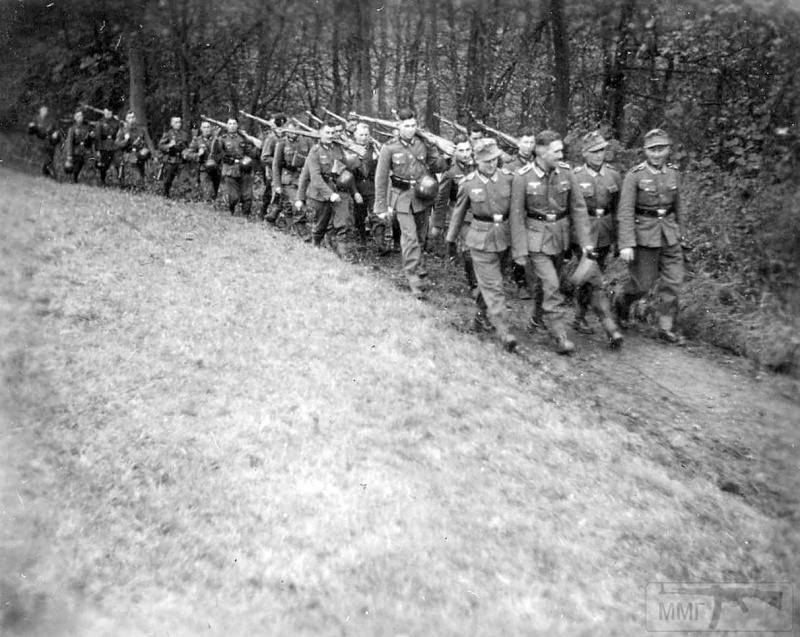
(358, 198)
(435, 232)
(202, 151)
(298, 205)
(452, 251)
(626, 254)
(518, 272)
(334, 197)
(686, 245)
(590, 253)
(127, 136)
(278, 190)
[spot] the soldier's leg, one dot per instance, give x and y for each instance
(601, 305)
(216, 179)
(642, 273)
(322, 211)
(410, 249)
(246, 193)
(671, 273)
(232, 193)
(360, 222)
(77, 166)
(489, 275)
(422, 221)
(170, 172)
(547, 268)
(344, 226)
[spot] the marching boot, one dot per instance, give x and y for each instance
(666, 331)
(615, 337)
(622, 308)
(559, 334)
(480, 322)
(581, 306)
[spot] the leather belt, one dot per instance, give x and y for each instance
(597, 212)
(489, 219)
(400, 183)
(549, 216)
(658, 213)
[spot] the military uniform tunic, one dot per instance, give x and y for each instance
(209, 176)
(651, 220)
(78, 147)
(232, 149)
(130, 140)
(400, 163)
(105, 134)
(173, 143)
(487, 201)
(545, 208)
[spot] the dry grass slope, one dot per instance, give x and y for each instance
(211, 428)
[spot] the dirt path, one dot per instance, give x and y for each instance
(698, 410)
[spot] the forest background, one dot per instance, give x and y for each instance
(720, 75)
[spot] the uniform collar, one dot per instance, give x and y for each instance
(654, 170)
(594, 172)
(486, 179)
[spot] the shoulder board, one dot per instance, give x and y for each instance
(467, 177)
(505, 171)
(524, 169)
(639, 167)
(673, 166)
(563, 164)
(577, 169)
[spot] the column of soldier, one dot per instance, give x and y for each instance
(531, 207)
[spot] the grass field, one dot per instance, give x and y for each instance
(211, 428)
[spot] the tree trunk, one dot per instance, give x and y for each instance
(381, 80)
(336, 98)
(476, 65)
(138, 92)
(432, 68)
(362, 40)
(561, 90)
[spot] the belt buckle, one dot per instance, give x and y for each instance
(661, 213)
(497, 218)
(550, 216)
(599, 212)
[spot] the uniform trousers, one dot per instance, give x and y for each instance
(239, 189)
(209, 183)
(413, 233)
(664, 264)
(339, 216)
(489, 273)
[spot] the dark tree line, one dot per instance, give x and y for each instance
(720, 74)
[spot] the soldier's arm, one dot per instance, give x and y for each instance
(70, 141)
(302, 184)
(382, 180)
(626, 235)
(442, 200)
(459, 212)
(277, 165)
(163, 143)
(680, 212)
(436, 161)
(578, 212)
(516, 220)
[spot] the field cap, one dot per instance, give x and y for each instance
(593, 141)
(486, 149)
(656, 137)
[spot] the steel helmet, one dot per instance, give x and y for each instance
(426, 187)
(143, 154)
(345, 180)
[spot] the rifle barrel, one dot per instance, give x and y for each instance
(256, 118)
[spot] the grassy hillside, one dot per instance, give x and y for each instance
(211, 428)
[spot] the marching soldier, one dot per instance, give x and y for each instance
(523, 157)
(131, 140)
(546, 204)
(105, 134)
(237, 151)
(290, 155)
(365, 186)
(485, 194)
(77, 146)
(405, 170)
(268, 145)
(650, 233)
(600, 184)
(331, 186)
(208, 170)
(173, 144)
(44, 127)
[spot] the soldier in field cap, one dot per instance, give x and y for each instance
(600, 186)
(650, 232)
(485, 194)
